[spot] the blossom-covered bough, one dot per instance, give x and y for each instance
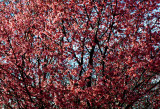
(80, 54)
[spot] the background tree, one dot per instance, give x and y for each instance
(79, 54)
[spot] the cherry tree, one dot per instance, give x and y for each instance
(79, 54)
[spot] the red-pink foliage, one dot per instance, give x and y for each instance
(79, 54)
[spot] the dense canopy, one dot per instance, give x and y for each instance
(79, 54)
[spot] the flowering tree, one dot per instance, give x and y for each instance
(79, 54)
